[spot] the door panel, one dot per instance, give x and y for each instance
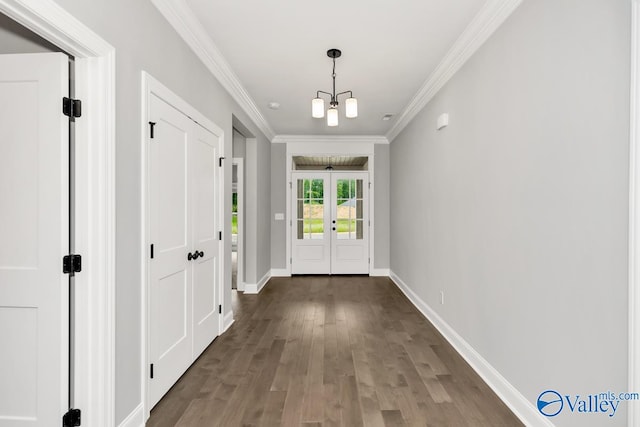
(311, 237)
(170, 336)
(204, 210)
(350, 242)
(330, 223)
(34, 189)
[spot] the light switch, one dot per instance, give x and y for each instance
(279, 217)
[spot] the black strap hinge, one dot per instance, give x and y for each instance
(220, 309)
(71, 264)
(219, 235)
(151, 129)
(71, 418)
(71, 107)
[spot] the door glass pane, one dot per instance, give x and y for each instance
(350, 209)
(310, 208)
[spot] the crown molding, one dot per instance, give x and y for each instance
(284, 139)
(483, 25)
(187, 25)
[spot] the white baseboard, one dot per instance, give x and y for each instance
(379, 272)
(520, 406)
(255, 288)
(134, 419)
(227, 321)
(280, 272)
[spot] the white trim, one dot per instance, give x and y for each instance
(341, 139)
(483, 25)
(280, 272)
(255, 288)
(95, 200)
(227, 322)
(239, 162)
(152, 86)
(634, 216)
(135, 418)
(520, 406)
(187, 25)
(380, 272)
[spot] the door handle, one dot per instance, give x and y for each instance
(190, 256)
(200, 254)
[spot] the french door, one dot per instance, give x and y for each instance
(330, 223)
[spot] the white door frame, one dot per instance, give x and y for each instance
(95, 200)
(239, 162)
(326, 147)
(634, 217)
(152, 86)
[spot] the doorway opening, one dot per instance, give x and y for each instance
(237, 224)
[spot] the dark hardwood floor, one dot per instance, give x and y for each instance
(330, 351)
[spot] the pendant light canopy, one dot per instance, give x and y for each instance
(317, 104)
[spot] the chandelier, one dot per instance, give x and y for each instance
(317, 104)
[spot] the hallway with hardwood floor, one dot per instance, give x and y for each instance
(330, 351)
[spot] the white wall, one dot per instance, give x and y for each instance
(518, 210)
(145, 41)
(382, 208)
(279, 205)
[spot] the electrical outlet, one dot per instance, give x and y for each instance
(441, 297)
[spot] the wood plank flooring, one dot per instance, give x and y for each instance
(330, 351)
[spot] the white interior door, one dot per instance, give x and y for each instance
(330, 223)
(350, 223)
(34, 236)
(170, 317)
(311, 248)
(204, 215)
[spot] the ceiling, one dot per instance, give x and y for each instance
(277, 51)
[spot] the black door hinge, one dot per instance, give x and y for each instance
(152, 251)
(220, 309)
(219, 235)
(71, 107)
(71, 264)
(71, 418)
(220, 161)
(151, 371)
(151, 128)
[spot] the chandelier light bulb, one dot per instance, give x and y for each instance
(317, 108)
(351, 108)
(332, 116)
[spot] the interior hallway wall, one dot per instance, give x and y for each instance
(518, 210)
(145, 41)
(14, 38)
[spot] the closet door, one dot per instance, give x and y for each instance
(170, 298)
(34, 236)
(204, 216)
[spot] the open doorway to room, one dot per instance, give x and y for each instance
(237, 224)
(239, 151)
